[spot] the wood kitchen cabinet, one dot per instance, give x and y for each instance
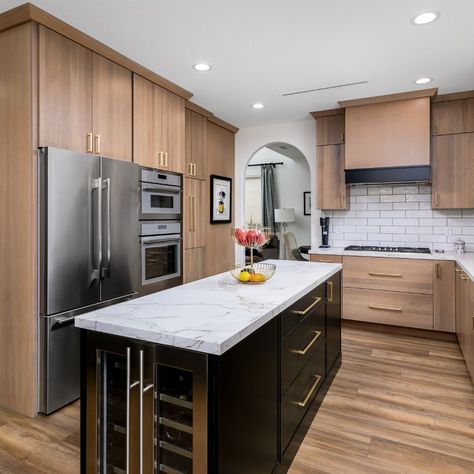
(195, 213)
(470, 331)
(85, 100)
(158, 126)
(331, 187)
(444, 287)
(330, 129)
(196, 145)
(194, 264)
(453, 171)
(454, 116)
(324, 258)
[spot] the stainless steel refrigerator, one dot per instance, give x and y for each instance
(89, 256)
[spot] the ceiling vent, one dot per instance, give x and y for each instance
(336, 86)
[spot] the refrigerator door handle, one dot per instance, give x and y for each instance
(95, 274)
(105, 271)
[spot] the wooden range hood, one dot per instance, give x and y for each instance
(387, 138)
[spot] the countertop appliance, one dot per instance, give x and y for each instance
(374, 248)
(324, 222)
(160, 195)
(89, 256)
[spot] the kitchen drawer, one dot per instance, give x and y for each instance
(389, 307)
(301, 343)
(391, 274)
(316, 257)
(300, 394)
(297, 312)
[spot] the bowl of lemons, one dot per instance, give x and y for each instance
(252, 274)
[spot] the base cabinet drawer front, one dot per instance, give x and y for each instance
(301, 393)
(391, 274)
(302, 308)
(388, 307)
(325, 258)
(298, 347)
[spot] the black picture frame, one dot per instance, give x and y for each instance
(220, 184)
(307, 203)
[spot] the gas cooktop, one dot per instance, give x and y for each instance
(374, 248)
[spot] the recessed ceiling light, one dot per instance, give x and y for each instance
(258, 105)
(202, 67)
(425, 18)
(423, 80)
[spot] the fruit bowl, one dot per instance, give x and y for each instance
(252, 275)
(251, 237)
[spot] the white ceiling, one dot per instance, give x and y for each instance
(260, 49)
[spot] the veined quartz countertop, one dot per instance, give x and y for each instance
(209, 315)
(464, 260)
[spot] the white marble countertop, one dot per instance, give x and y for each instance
(209, 315)
(464, 260)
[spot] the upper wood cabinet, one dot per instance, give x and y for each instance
(330, 178)
(195, 213)
(85, 100)
(330, 129)
(158, 126)
(453, 171)
(65, 93)
(455, 116)
(388, 134)
(112, 109)
(196, 145)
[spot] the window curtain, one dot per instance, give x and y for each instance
(268, 197)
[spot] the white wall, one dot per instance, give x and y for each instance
(301, 134)
(291, 180)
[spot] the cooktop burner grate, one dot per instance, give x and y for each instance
(374, 248)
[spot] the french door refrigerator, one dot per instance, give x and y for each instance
(89, 256)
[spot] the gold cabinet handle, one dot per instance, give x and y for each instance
(391, 275)
(190, 214)
(310, 344)
(309, 308)
(331, 291)
(194, 169)
(194, 212)
(385, 308)
(97, 144)
(464, 277)
(458, 270)
(190, 166)
(165, 159)
(436, 200)
(438, 270)
(90, 146)
(311, 391)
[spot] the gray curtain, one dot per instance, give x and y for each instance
(268, 197)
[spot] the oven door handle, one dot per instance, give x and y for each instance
(154, 189)
(158, 241)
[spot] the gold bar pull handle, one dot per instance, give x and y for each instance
(311, 391)
(90, 146)
(308, 309)
(464, 277)
(438, 270)
(330, 291)
(97, 144)
(190, 166)
(458, 270)
(194, 169)
(165, 156)
(194, 213)
(310, 344)
(391, 275)
(190, 213)
(385, 308)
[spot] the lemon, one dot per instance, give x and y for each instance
(244, 276)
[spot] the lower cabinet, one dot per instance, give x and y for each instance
(194, 264)
(148, 408)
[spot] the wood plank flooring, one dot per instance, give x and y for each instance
(399, 404)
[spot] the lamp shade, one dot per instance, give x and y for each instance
(284, 215)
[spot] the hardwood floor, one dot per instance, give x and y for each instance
(399, 404)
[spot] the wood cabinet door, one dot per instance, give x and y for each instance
(196, 145)
(470, 331)
(146, 122)
(453, 171)
(456, 116)
(112, 109)
(330, 186)
(195, 216)
(330, 130)
(173, 131)
(65, 93)
(194, 264)
(444, 284)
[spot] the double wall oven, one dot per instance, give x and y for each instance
(160, 230)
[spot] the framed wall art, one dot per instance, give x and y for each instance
(307, 203)
(221, 200)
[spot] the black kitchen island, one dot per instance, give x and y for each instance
(150, 407)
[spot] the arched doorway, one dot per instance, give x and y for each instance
(277, 183)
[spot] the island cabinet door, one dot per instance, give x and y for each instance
(333, 320)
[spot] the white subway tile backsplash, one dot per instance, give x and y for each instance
(399, 215)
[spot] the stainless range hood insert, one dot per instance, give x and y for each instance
(396, 174)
